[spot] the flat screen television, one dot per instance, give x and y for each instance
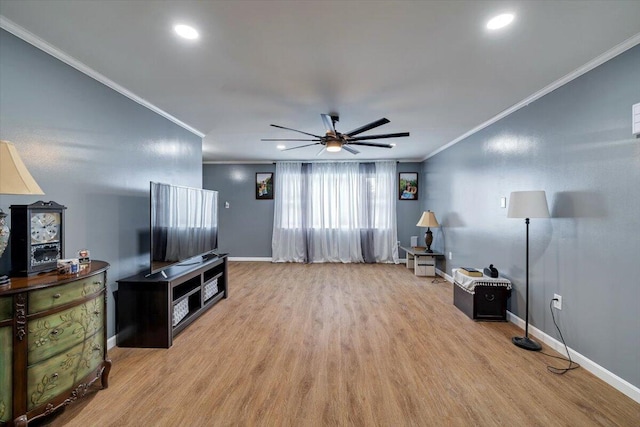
(184, 224)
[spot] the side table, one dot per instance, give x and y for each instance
(423, 263)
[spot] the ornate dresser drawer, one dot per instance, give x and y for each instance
(49, 378)
(5, 373)
(53, 342)
(55, 296)
(58, 332)
(5, 308)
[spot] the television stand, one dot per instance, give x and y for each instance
(151, 311)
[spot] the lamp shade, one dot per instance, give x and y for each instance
(428, 219)
(14, 176)
(528, 204)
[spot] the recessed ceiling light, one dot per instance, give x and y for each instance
(186, 31)
(500, 21)
(281, 147)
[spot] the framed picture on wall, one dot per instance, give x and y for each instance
(264, 185)
(408, 186)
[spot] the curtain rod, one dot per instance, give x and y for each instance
(336, 161)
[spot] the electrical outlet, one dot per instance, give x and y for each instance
(226, 205)
(557, 303)
(503, 202)
(398, 242)
(450, 255)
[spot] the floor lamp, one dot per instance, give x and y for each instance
(14, 179)
(527, 204)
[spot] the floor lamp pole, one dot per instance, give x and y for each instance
(525, 342)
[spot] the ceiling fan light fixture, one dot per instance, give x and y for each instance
(333, 146)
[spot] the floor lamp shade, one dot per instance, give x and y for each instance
(527, 204)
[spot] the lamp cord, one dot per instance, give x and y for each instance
(572, 365)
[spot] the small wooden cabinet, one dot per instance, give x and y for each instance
(53, 341)
(154, 309)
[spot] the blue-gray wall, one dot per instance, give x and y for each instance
(246, 226)
(576, 144)
(92, 150)
(408, 211)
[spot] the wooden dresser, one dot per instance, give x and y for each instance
(52, 341)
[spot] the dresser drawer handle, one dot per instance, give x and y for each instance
(96, 312)
(56, 296)
(54, 332)
(97, 282)
(489, 297)
(54, 376)
(96, 348)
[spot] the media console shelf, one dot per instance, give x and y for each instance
(152, 310)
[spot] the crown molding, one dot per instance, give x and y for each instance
(599, 60)
(36, 41)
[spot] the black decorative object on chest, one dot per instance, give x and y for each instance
(37, 238)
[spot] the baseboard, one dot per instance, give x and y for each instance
(111, 342)
(241, 258)
(445, 275)
(610, 378)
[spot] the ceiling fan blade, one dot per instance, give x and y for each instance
(321, 151)
(300, 146)
(328, 123)
(349, 149)
(295, 130)
(381, 136)
(285, 139)
(368, 127)
(371, 144)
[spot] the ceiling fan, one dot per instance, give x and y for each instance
(334, 141)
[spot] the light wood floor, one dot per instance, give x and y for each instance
(343, 345)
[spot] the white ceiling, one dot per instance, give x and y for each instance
(430, 67)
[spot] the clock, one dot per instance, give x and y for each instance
(37, 237)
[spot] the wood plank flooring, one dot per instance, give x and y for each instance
(343, 345)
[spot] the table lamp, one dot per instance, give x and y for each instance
(428, 219)
(14, 179)
(527, 204)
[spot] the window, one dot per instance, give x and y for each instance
(335, 212)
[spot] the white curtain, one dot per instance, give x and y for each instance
(289, 240)
(384, 224)
(335, 212)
